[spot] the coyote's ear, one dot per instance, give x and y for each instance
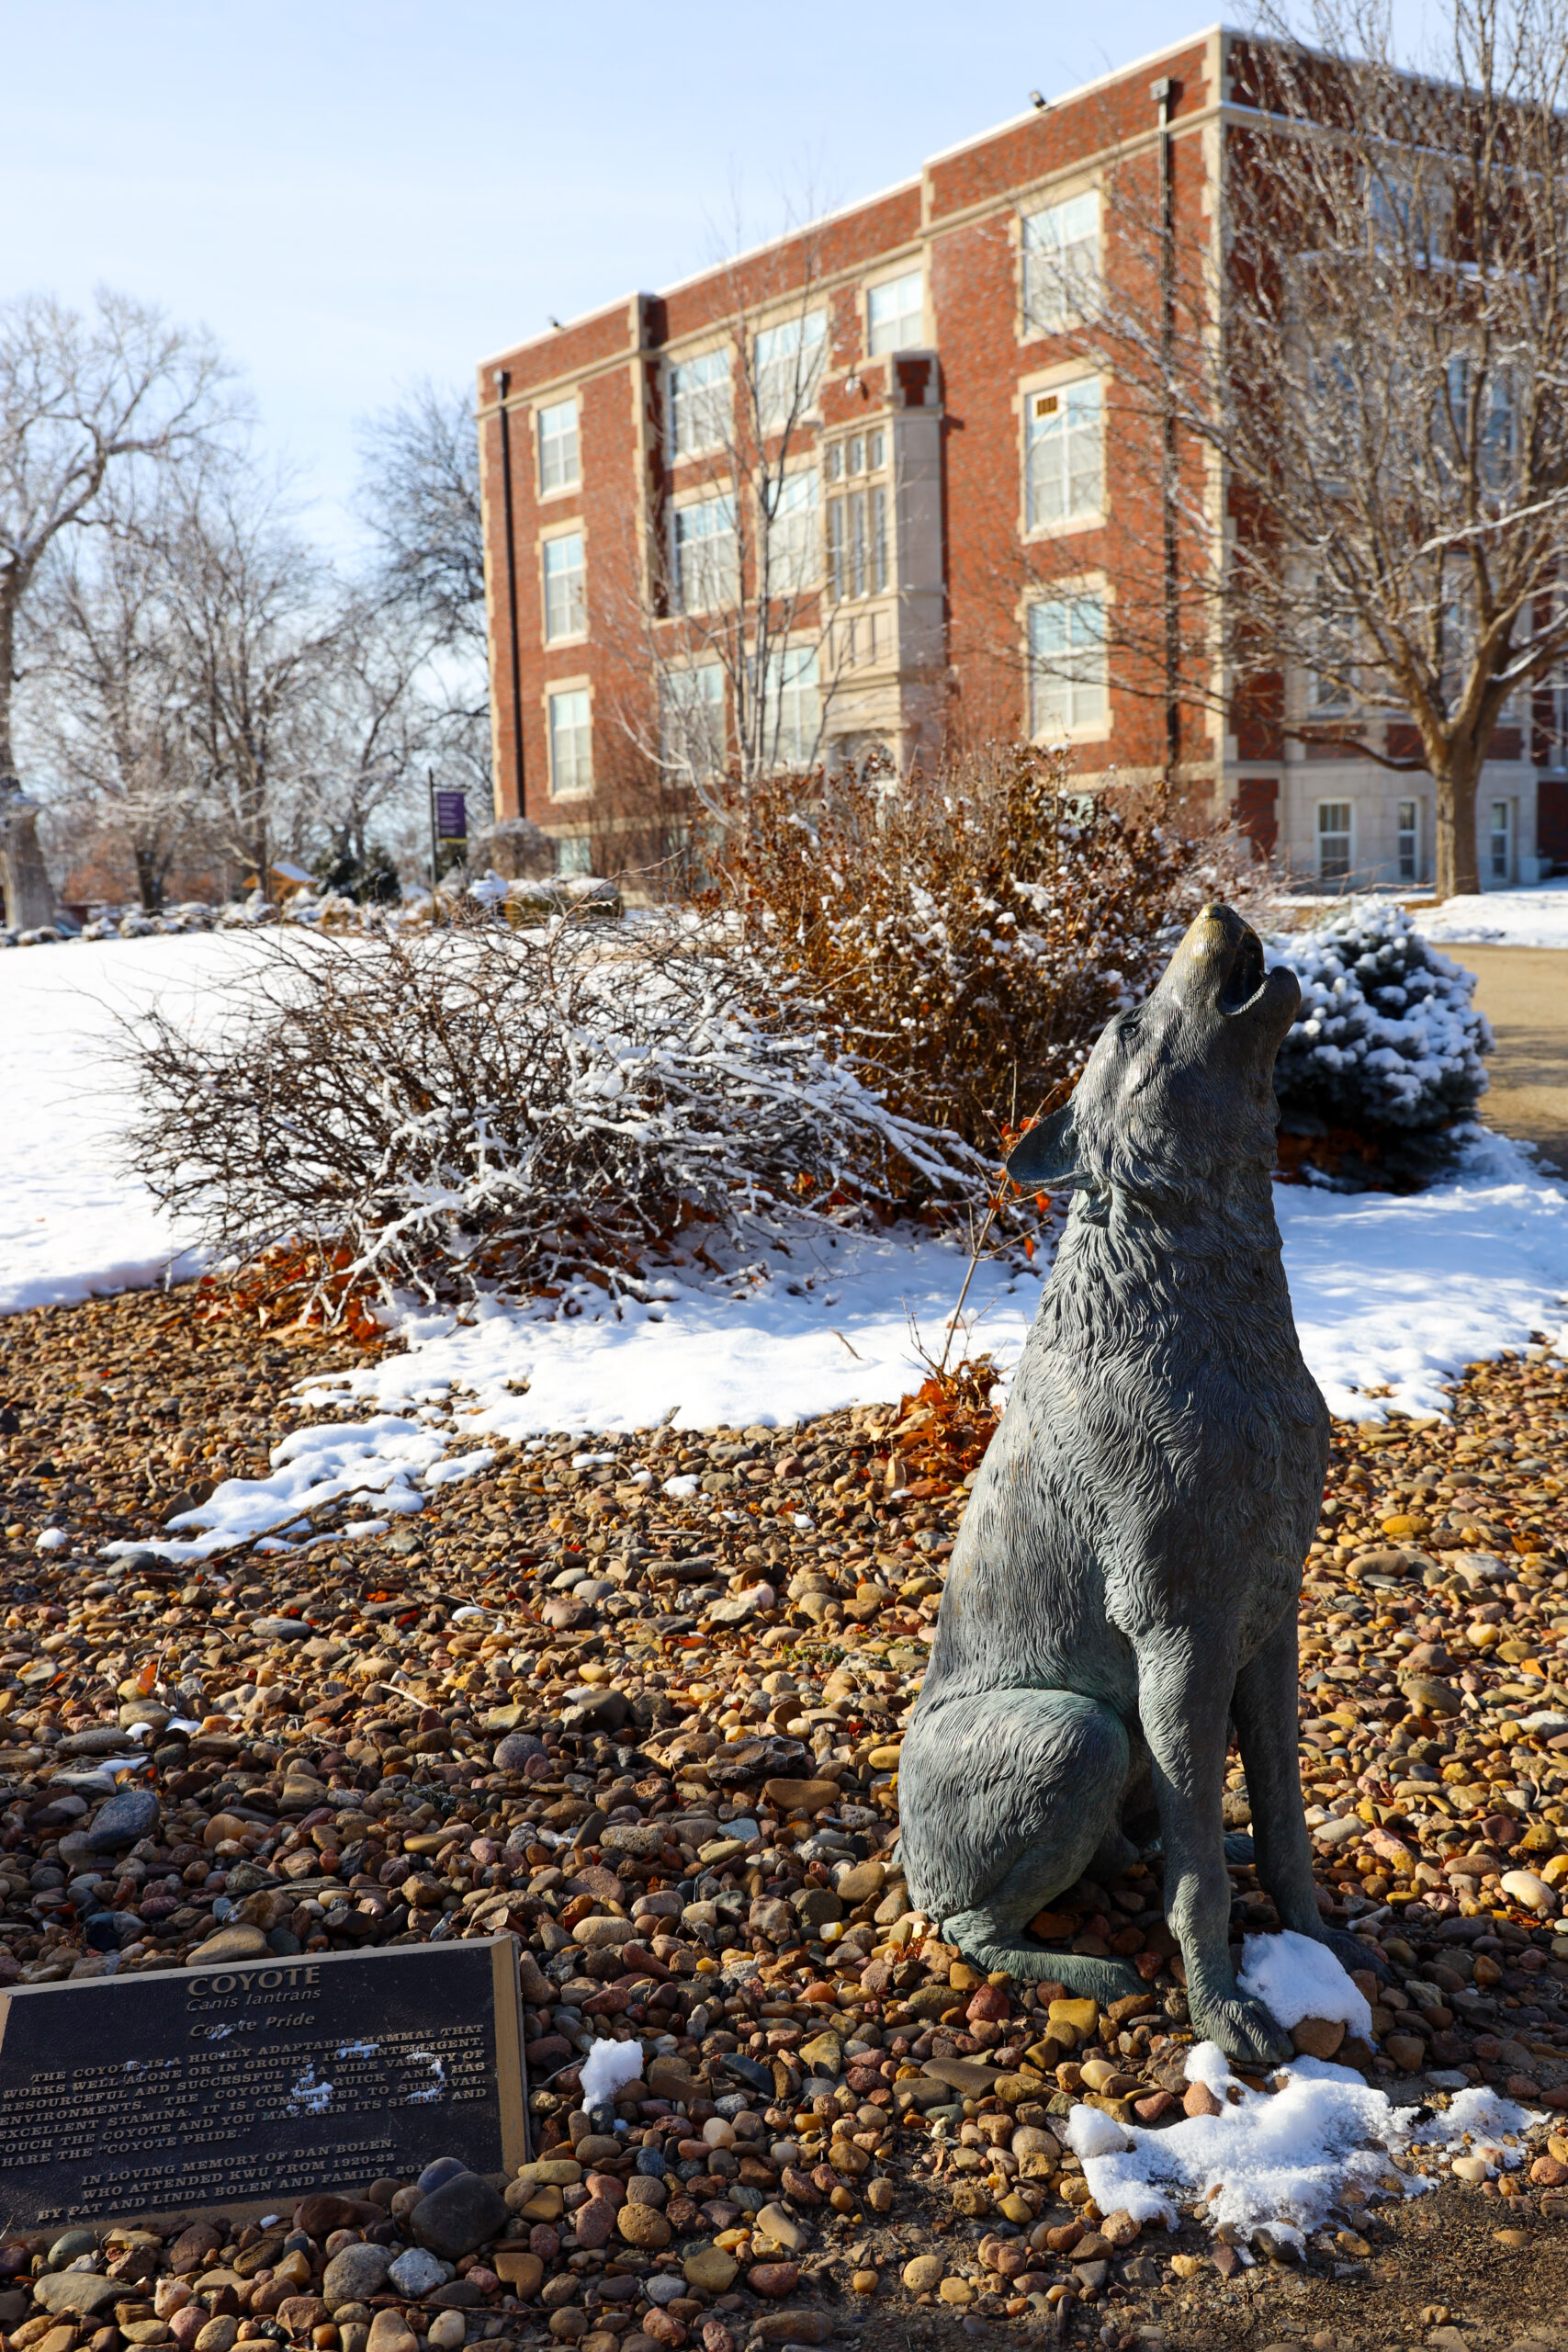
(1046, 1158)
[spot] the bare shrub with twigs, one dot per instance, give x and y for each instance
(520, 1106)
(970, 935)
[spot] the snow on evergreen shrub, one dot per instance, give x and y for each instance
(1388, 1035)
(484, 1104)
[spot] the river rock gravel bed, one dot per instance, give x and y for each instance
(637, 1700)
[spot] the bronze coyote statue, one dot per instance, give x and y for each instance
(1123, 1590)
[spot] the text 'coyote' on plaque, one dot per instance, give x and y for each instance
(255, 2083)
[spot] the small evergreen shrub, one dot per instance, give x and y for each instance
(1388, 1042)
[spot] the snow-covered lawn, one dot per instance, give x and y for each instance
(1398, 1293)
(1535, 916)
(1391, 1295)
(73, 1220)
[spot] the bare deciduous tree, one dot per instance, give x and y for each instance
(419, 495)
(1349, 410)
(255, 630)
(374, 733)
(78, 397)
(110, 722)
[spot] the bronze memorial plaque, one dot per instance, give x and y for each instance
(251, 2084)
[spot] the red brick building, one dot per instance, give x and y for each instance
(958, 500)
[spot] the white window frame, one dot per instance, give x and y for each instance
(795, 533)
(578, 781)
(698, 397)
(1062, 272)
(1501, 875)
(691, 721)
(574, 855)
(709, 583)
(1346, 832)
(550, 436)
(1410, 833)
(563, 604)
(792, 706)
(791, 360)
(892, 333)
(1055, 446)
(1069, 696)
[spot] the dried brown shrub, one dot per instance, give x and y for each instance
(969, 935)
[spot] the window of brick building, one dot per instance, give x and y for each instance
(1408, 839)
(699, 404)
(1067, 662)
(1500, 840)
(793, 707)
(706, 577)
(1333, 628)
(857, 516)
(862, 453)
(565, 597)
(1064, 453)
(574, 855)
(559, 462)
(691, 715)
(895, 313)
(572, 743)
(1333, 840)
(794, 527)
(1060, 262)
(790, 361)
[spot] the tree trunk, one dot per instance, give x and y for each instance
(26, 895)
(10, 596)
(1458, 868)
(149, 882)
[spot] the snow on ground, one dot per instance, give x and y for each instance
(1295, 1977)
(1283, 2157)
(1533, 916)
(1398, 1294)
(73, 1221)
(1393, 1296)
(827, 1326)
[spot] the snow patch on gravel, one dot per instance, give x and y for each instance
(1283, 2159)
(1296, 1977)
(312, 1467)
(608, 2067)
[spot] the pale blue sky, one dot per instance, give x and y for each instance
(353, 195)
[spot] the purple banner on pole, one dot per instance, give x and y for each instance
(451, 817)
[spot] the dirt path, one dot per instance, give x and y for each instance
(1524, 993)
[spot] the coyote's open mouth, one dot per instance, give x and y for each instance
(1246, 974)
